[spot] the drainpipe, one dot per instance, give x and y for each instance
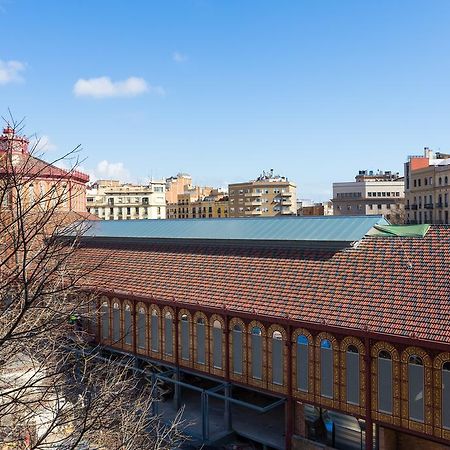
(369, 423)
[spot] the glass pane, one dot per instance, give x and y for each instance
(127, 327)
(277, 361)
(256, 356)
(446, 398)
(116, 324)
(415, 382)
(385, 385)
(326, 372)
(105, 321)
(353, 378)
(217, 347)
(155, 333)
(168, 338)
(302, 367)
(141, 330)
(237, 352)
(185, 339)
(201, 359)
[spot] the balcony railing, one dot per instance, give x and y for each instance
(414, 206)
(407, 207)
(439, 205)
(428, 206)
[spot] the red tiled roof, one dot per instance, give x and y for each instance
(390, 285)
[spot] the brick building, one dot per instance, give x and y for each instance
(284, 315)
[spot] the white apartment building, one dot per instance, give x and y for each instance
(370, 194)
(112, 200)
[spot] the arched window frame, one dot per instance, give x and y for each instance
(127, 339)
(105, 337)
(217, 370)
(438, 366)
(141, 308)
(271, 385)
(254, 381)
(116, 338)
(167, 310)
(345, 344)
(333, 402)
(197, 365)
(309, 395)
(427, 403)
(233, 323)
(393, 418)
(154, 309)
(185, 362)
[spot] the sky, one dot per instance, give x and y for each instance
(223, 90)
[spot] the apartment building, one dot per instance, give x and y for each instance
(176, 185)
(193, 205)
(268, 195)
(113, 200)
(371, 194)
(427, 188)
(310, 208)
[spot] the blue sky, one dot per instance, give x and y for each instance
(224, 89)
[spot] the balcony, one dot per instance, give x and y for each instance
(286, 194)
(414, 206)
(428, 206)
(253, 194)
(407, 207)
(439, 205)
(253, 212)
(252, 203)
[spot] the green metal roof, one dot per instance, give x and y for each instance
(330, 229)
(400, 230)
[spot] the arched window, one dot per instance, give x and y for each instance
(31, 193)
(277, 358)
(440, 181)
(326, 368)
(127, 327)
(446, 395)
(302, 363)
(385, 382)
(352, 369)
(105, 320)
(168, 334)
(256, 341)
(446, 180)
(155, 331)
(116, 322)
(237, 350)
(416, 388)
(141, 331)
(217, 344)
(201, 341)
(185, 347)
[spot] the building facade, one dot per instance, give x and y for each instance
(176, 185)
(427, 188)
(305, 322)
(112, 200)
(309, 208)
(192, 205)
(269, 195)
(371, 194)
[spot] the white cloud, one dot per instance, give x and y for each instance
(179, 57)
(42, 144)
(104, 87)
(10, 71)
(109, 171)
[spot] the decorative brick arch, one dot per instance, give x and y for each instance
(439, 361)
(127, 305)
(276, 387)
(297, 393)
(334, 402)
(255, 382)
(142, 308)
(234, 376)
(393, 418)
(216, 370)
(165, 311)
(155, 311)
(353, 409)
(426, 426)
(202, 367)
(181, 361)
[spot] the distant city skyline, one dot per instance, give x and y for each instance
(223, 90)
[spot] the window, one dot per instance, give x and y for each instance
(116, 322)
(141, 328)
(128, 331)
(385, 382)
(31, 193)
(168, 334)
(237, 350)
(155, 331)
(446, 395)
(326, 369)
(416, 388)
(302, 363)
(201, 336)
(256, 348)
(446, 180)
(440, 181)
(352, 364)
(185, 338)
(217, 344)
(105, 320)
(277, 358)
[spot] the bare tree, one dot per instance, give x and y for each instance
(56, 391)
